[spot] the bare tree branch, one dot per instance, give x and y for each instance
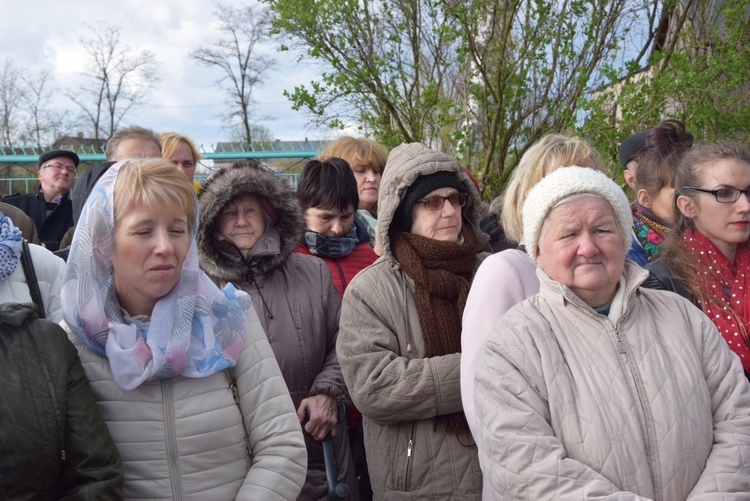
(116, 79)
(242, 66)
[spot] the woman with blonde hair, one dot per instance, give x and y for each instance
(181, 150)
(181, 370)
(367, 159)
(508, 277)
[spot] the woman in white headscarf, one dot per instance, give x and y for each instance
(181, 370)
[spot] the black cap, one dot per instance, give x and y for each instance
(422, 186)
(49, 155)
(631, 146)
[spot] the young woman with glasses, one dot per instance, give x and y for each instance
(706, 257)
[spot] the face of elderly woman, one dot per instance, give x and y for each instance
(444, 222)
(150, 247)
(581, 247)
(242, 222)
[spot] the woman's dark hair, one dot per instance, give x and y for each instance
(328, 184)
(657, 163)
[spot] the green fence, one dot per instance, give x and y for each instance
(14, 185)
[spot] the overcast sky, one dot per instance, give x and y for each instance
(39, 34)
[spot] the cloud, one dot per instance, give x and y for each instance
(45, 34)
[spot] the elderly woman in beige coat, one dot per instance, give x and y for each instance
(597, 388)
(400, 335)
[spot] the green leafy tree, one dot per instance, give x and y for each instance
(389, 66)
(700, 76)
(481, 79)
(529, 64)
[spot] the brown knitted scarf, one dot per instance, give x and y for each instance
(442, 273)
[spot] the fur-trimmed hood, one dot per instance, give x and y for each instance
(223, 186)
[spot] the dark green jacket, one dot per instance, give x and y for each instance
(54, 443)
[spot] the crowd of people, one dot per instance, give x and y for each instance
(379, 327)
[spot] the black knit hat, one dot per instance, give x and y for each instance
(49, 155)
(417, 191)
(631, 146)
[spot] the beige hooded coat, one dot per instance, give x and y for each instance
(398, 391)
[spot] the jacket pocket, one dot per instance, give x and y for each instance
(402, 457)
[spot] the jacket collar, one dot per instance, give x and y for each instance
(557, 293)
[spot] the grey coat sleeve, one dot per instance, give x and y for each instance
(279, 457)
(727, 471)
(385, 385)
(330, 380)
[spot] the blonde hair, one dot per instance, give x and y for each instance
(170, 141)
(353, 149)
(153, 184)
(544, 156)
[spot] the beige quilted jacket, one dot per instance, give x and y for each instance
(571, 406)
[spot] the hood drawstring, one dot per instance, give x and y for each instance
(259, 288)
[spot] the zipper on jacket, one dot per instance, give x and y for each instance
(259, 288)
(341, 275)
(620, 342)
(409, 460)
(171, 437)
(630, 369)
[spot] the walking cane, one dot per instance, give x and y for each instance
(337, 491)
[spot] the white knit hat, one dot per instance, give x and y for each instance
(562, 183)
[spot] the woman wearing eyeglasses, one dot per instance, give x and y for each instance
(400, 334)
(706, 257)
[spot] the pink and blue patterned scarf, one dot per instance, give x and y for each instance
(10, 247)
(195, 330)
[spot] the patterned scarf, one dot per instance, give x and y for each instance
(10, 247)
(648, 230)
(195, 330)
(442, 273)
(336, 247)
(728, 288)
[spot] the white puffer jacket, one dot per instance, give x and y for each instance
(572, 406)
(182, 438)
(49, 274)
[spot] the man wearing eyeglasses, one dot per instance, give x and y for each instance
(50, 206)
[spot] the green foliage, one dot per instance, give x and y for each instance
(390, 65)
(485, 79)
(704, 81)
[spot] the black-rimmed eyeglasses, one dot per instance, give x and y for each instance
(436, 203)
(723, 195)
